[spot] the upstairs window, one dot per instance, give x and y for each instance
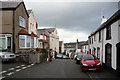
(22, 21)
(95, 37)
(108, 33)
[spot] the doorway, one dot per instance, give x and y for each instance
(108, 52)
(118, 57)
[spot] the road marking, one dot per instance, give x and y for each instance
(32, 64)
(2, 77)
(10, 73)
(4, 71)
(18, 70)
(90, 76)
(22, 65)
(17, 66)
(29, 66)
(11, 69)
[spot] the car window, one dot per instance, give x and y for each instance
(89, 57)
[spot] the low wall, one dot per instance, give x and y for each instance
(31, 58)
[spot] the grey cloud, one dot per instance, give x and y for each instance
(74, 16)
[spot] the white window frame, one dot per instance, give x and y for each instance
(25, 42)
(22, 21)
(5, 36)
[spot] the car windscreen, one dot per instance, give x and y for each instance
(79, 56)
(89, 57)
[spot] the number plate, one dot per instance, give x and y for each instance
(92, 69)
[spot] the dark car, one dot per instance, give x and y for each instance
(59, 56)
(79, 57)
(90, 62)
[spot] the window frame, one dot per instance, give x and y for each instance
(108, 32)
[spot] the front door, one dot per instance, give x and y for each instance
(118, 57)
(108, 52)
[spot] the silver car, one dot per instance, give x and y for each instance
(6, 56)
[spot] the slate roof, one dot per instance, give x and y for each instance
(9, 5)
(42, 31)
(111, 20)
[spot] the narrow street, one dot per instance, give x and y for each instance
(60, 68)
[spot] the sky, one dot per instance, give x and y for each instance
(73, 19)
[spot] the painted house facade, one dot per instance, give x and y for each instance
(105, 43)
(53, 39)
(85, 47)
(43, 39)
(14, 36)
(61, 47)
(32, 29)
(50, 37)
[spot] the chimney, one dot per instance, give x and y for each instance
(103, 20)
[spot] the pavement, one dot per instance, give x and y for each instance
(60, 68)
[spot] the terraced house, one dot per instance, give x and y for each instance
(14, 36)
(32, 29)
(105, 43)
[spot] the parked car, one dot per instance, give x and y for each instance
(6, 56)
(59, 56)
(90, 62)
(65, 57)
(79, 57)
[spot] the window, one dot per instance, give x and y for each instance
(28, 41)
(95, 37)
(92, 40)
(99, 35)
(3, 42)
(41, 36)
(108, 33)
(22, 21)
(32, 42)
(31, 27)
(22, 41)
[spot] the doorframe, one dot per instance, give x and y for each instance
(106, 54)
(118, 55)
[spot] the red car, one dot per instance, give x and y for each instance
(90, 62)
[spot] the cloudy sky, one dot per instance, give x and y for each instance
(73, 19)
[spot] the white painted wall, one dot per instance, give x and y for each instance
(115, 38)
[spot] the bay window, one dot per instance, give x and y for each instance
(24, 41)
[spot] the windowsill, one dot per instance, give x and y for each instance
(108, 38)
(24, 48)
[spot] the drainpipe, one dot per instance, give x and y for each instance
(13, 31)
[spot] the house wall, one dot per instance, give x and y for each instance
(54, 41)
(20, 11)
(119, 30)
(96, 44)
(113, 41)
(85, 48)
(32, 20)
(7, 21)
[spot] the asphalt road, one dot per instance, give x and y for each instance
(60, 68)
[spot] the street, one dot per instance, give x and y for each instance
(60, 68)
